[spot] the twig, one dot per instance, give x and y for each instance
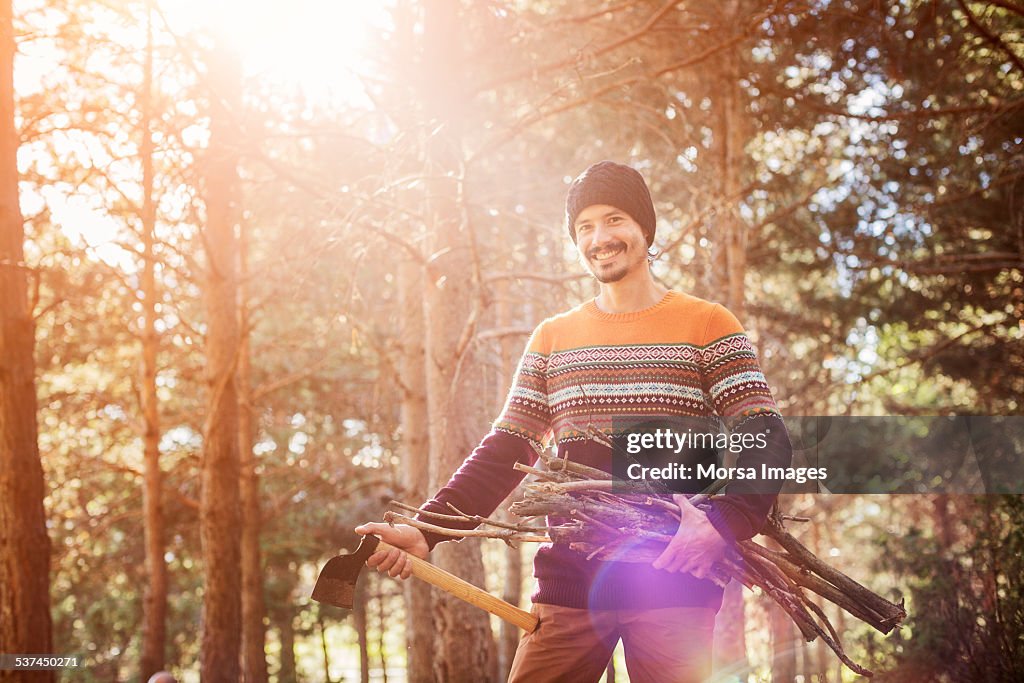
(506, 535)
(592, 519)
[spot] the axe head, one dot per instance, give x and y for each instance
(336, 584)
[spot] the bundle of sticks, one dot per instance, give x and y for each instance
(630, 522)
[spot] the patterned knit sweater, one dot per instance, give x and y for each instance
(682, 357)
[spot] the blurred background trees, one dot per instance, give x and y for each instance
(268, 300)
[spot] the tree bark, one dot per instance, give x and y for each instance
(154, 617)
(220, 524)
(419, 631)
(254, 659)
(730, 647)
(782, 640)
(382, 629)
(25, 625)
(359, 617)
(465, 646)
(508, 635)
(324, 649)
(735, 232)
(732, 254)
(822, 657)
(412, 380)
(286, 634)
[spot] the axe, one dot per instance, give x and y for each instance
(336, 584)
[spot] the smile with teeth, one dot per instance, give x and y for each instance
(605, 254)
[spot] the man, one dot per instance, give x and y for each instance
(636, 349)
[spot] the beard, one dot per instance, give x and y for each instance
(607, 275)
(604, 273)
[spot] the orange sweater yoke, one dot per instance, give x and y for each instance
(586, 371)
(684, 356)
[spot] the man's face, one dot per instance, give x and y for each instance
(611, 244)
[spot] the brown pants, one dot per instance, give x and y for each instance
(668, 645)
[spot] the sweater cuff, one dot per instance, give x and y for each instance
(483, 480)
(733, 525)
(431, 537)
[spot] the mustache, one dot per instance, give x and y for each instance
(611, 245)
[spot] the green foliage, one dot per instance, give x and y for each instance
(964, 595)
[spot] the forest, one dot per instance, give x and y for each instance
(267, 267)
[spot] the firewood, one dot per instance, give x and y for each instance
(605, 520)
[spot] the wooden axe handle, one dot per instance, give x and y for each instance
(463, 590)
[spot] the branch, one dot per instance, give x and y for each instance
(992, 38)
(270, 387)
(1008, 5)
(604, 526)
(509, 536)
(998, 108)
(525, 123)
(584, 18)
(931, 352)
(554, 66)
(522, 275)
(462, 517)
(502, 332)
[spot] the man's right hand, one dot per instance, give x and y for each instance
(405, 538)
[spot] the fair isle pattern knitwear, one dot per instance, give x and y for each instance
(701, 365)
(586, 369)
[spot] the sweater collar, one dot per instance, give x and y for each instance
(591, 309)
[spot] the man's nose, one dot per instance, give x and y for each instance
(601, 234)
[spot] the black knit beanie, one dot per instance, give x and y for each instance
(607, 182)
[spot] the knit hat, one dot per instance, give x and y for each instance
(607, 182)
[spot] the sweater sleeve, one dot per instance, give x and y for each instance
(487, 476)
(740, 395)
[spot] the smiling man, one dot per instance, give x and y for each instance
(635, 350)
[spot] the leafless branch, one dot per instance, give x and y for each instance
(991, 37)
(568, 61)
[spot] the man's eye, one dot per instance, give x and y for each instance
(615, 219)
(582, 228)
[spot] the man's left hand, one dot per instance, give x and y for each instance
(696, 546)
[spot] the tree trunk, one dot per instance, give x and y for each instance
(466, 646)
(419, 630)
(25, 625)
(729, 276)
(783, 651)
(359, 616)
(731, 258)
(943, 520)
(465, 649)
(154, 617)
(508, 636)
(286, 634)
(840, 624)
(830, 664)
(219, 511)
(730, 646)
(822, 654)
(783, 638)
(254, 659)
(324, 649)
(382, 629)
